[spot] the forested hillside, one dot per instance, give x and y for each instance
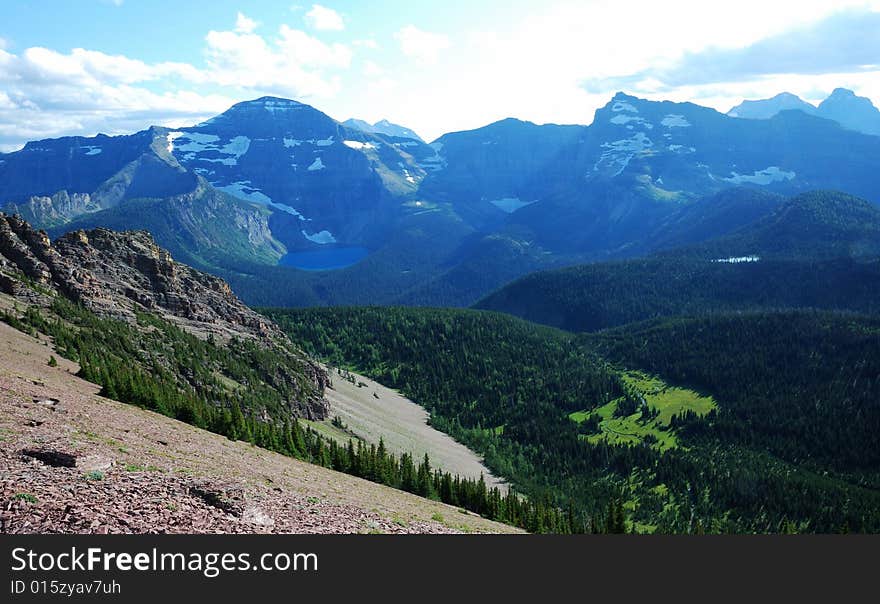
(804, 385)
(245, 391)
(817, 250)
(598, 296)
(533, 402)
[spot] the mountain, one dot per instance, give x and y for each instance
(382, 127)
(764, 109)
(498, 169)
(712, 217)
(294, 208)
(851, 111)
(818, 250)
(162, 336)
(333, 183)
(133, 182)
(842, 106)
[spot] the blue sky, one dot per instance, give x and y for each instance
(88, 66)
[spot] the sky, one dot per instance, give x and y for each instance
(80, 67)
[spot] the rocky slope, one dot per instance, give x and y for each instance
(75, 462)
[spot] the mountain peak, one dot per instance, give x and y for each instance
(766, 108)
(842, 93)
(851, 111)
(273, 101)
(383, 126)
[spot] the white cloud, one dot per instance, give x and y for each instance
(533, 67)
(294, 64)
(46, 93)
(322, 18)
(244, 24)
(423, 46)
(371, 70)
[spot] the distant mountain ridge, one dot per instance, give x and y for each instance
(842, 106)
(382, 127)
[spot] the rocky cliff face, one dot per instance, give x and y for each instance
(118, 274)
(56, 209)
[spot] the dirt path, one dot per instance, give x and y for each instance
(374, 411)
(137, 471)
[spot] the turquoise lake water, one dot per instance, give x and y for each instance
(324, 259)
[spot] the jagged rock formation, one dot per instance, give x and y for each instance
(114, 274)
(118, 274)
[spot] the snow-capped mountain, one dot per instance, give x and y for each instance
(335, 181)
(439, 223)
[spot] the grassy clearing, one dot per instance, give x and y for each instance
(633, 429)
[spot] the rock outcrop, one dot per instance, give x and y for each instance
(120, 274)
(116, 274)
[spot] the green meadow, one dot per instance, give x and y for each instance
(634, 429)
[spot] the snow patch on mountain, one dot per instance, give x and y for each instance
(170, 138)
(737, 259)
(243, 190)
(316, 165)
(618, 154)
(623, 106)
(292, 142)
(279, 105)
(358, 145)
(195, 143)
(324, 142)
(321, 238)
(92, 150)
(510, 204)
(762, 177)
(675, 121)
(625, 119)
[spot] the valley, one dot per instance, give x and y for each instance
(665, 321)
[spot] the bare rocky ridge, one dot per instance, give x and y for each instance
(117, 274)
(114, 274)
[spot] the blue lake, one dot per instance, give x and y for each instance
(324, 259)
